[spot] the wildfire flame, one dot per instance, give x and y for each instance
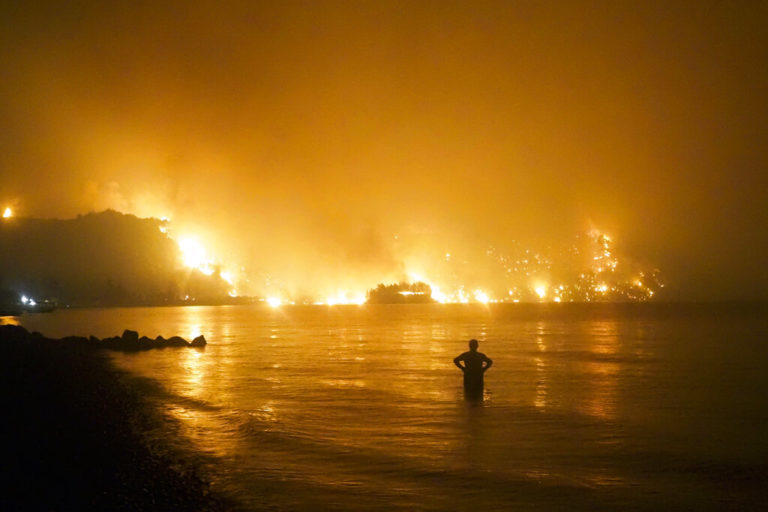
(523, 277)
(195, 256)
(193, 253)
(7, 213)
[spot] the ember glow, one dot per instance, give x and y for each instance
(7, 213)
(586, 271)
(591, 269)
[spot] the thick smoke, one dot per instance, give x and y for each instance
(297, 141)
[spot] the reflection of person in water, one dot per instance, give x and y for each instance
(475, 365)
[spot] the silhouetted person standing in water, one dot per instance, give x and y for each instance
(475, 365)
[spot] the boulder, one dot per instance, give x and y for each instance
(146, 342)
(198, 342)
(130, 336)
(114, 341)
(177, 341)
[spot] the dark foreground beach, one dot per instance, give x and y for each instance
(75, 435)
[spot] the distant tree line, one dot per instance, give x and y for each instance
(400, 293)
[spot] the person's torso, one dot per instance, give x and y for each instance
(473, 361)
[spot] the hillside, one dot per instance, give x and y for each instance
(106, 258)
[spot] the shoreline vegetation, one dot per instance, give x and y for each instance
(77, 434)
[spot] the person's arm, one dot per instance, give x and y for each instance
(457, 362)
(488, 363)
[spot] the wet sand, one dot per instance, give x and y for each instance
(75, 435)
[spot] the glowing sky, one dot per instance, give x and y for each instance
(300, 138)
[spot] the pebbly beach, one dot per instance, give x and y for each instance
(77, 432)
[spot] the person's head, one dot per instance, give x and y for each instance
(473, 344)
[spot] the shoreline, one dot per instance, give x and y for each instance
(76, 435)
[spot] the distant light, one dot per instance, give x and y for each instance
(24, 299)
(344, 298)
(8, 213)
(541, 291)
(481, 296)
(274, 302)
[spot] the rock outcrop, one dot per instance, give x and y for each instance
(128, 342)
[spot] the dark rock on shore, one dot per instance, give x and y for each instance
(129, 341)
(177, 341)
(130, 336)
(74, 339)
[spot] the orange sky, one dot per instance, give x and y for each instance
(300, 137)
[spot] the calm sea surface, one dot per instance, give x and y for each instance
(587, 407)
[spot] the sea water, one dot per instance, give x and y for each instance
(586, 407)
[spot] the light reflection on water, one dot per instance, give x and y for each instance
(349, 408)
(9, 320)
(605, 369)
